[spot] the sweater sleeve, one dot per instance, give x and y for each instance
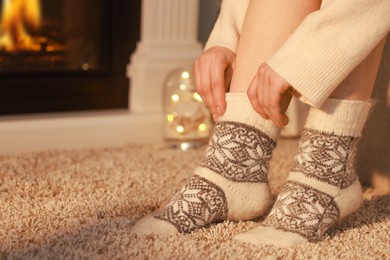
(329, 44)
(227, 29)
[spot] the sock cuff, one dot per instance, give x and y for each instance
(239, 109)
(339, 116)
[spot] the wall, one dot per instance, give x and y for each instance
(208, 12)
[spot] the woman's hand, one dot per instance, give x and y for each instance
(265, 94)
(213, 72)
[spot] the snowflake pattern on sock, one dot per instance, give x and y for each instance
(303, 210)
(198, 204)
(322, 186)
(327, 157)
(350, 173)
(236, 151)
(239, 152)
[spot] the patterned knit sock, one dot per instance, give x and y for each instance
(231, 183)
(322, 186)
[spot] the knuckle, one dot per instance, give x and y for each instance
(201, 60)
(196, 64)
(198, 88)
(206, 57)
(262, 68)
(250, 94)
(260, 77)
(274, 107)
(201, 90)
(273, 81)
(219, 66)
(254, 101)
(216, 84)
(262, 114)
(204, 89)
(214, 55)
(196, 74)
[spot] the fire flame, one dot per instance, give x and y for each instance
(18, 16)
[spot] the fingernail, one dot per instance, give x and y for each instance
(215, 118)
(219, 110)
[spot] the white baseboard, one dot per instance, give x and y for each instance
(77, 130)
(96, 129)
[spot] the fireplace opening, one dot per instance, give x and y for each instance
(46, 35)
(65, 55)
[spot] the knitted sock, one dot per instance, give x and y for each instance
(322, 186)
(231, 183)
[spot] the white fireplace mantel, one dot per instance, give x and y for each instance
(169, 31)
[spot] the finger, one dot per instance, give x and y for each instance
(200, 76)
(265, 94)
(197, 77)
(228, 77)
(215, 118)
(205, 88)
(274, 106)
(201, 89)
(276, 88)
(260, 90)
(218, 88)
(253, 98)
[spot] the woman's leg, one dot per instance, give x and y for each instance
(232, 182)
(266, 27)
(360, 82)
(358, 86)
(322, 187)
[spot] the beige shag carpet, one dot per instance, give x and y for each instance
(81, 204)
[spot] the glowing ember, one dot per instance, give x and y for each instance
(18, 17)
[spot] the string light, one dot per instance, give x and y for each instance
(175, 97)
(185, 75)
(170, 118)
(184, 146)
(202, 127)
(180, 129)
(187, 120)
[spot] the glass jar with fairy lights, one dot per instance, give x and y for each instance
(187, 119)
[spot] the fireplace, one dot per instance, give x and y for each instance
(65, 55)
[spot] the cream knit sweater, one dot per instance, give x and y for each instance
(323, 50)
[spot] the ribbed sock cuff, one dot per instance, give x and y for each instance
(239, 109)
(339, 116)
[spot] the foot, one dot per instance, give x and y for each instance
(322, 187)
(231, 183)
